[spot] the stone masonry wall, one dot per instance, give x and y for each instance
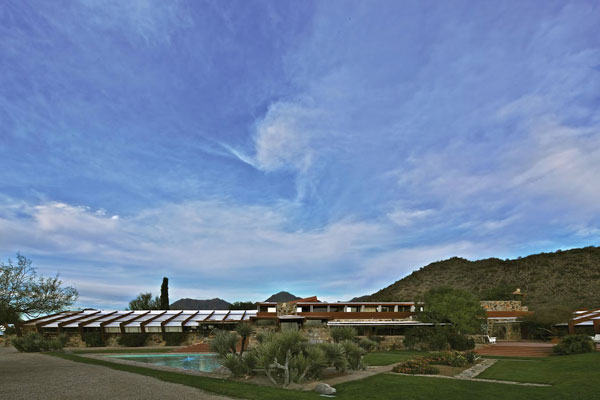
(503, 305)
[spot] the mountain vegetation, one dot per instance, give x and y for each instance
(570, 278)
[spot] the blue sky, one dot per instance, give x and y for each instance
(325, 148)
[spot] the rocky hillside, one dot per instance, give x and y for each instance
(193, 304)
(282, 297)
(570, 277)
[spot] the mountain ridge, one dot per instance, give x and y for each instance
(567, 277)
(194, 304)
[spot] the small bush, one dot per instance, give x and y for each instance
(460, 342)
(436, 339)
(377, 339)
(418, 366)
(341, 333)
(426, 339)
(236, 364)
(368, 344)
(33, 342)
(574, 344)
(335, 355)
(354, 355)
(132, 339)
(471, 356)
(93, 339)
(174, 338)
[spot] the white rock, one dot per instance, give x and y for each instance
(324, 388)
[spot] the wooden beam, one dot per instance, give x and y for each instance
(39, 325)
(225, 317)
(185, 321)
(81, 325)
(103, 324)
(144, 323)
(60, 324)
(122, 324)
(24, 323)
(162, 324)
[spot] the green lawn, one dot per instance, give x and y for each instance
(577, 371)
(571, 377)
(391, 357)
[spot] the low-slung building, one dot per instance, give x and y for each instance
(369, 318)
(141, 321)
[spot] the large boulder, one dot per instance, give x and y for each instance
(324, 388)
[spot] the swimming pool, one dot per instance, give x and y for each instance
(196, 362)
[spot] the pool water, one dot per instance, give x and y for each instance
(196, 362)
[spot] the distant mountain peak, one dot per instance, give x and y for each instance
(193, 304)
(282, 297)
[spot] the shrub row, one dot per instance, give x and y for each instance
(452, 358)
(34, 342)
(436, 339)
(574, 344)
(417, 366)
(424, 365)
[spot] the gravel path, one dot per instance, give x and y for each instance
(38, 376)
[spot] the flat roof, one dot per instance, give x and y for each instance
(114, 318)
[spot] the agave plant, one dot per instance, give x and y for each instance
(287, 357)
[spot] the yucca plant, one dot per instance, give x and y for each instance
(335, 354)
(245, 330)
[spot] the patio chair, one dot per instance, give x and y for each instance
(596, 338)
(492, 339)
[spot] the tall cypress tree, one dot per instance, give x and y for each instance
(164, 294)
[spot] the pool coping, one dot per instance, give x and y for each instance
(212, 374)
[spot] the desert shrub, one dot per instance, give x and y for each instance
(437, 338)
(418, 366)
(236, 364)
(341, 333)
(224, 342)
(354, 355)
(93, 339)
(426, 339)
(368, 344)
(377, 339)
(33, 342)
(288, 357)
(132, 339)
(335, 354)
(574, 344)
(471, 356)
(262, 336)
(174, 338)
(460, 342)
(314, 352)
